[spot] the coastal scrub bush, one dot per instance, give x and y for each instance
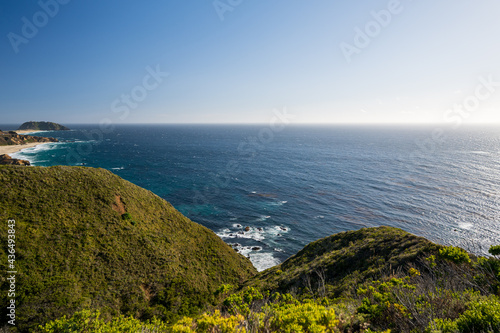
(224, 289)
(482, 316)
(243, 301)
(494, 250)
(380, 301)
(303, 317)
(128, 217)
(90, 321)
(442, 326)
(214, 322)
(454, 254)
(432, 261)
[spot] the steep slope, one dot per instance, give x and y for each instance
(337, 262)
(42, 126)
(85, 238)
(12, 138)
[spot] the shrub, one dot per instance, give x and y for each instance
(211, 323)
(128, 217)
(494, 250)
(454, 254)
(442, 326)
(90, 321)
(305, 317)
(432, 261)
(482, 316)
(414, 272)
(241, 303)
(83, 321)
(380, 297)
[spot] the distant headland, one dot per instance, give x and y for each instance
(11, 142)
(42, 126)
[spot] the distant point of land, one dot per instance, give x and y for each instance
(42, 126)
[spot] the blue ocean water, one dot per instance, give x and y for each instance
(269, 192)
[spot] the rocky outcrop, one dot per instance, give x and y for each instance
(12, 138)
(7, 160)
(42, 126)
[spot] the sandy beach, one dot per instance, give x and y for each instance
(15, 148)
(25, 131)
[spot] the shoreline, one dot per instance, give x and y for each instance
(23, 132)
(12, 149)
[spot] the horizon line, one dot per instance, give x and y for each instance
(442, 124)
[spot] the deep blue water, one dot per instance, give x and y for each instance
(303, 183)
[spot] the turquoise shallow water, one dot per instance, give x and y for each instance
(303, 183)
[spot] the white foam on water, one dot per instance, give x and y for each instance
(28, 153)
(120, 168)
(279, 203)
(263, 260)
(465, 225)
(255, 233)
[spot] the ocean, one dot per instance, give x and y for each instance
(269, 191)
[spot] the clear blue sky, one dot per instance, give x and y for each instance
(82, 63)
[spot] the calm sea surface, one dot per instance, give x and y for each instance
(302, 183)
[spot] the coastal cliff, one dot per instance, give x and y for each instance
(12, 138)
(42, 126)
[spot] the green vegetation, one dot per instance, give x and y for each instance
(74, 250)
(42, 126)
(128, 217)
(88, 321)
(332, 265)
(494, 250)
(454, 254)
(95, 253)
(430, 293)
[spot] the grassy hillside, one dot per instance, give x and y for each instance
(389, 281)
(85, 238)
(342, 260)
